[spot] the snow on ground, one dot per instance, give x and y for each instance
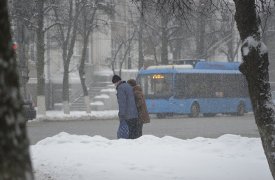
(97, 103)
(102, 96)
(71, 157)
(79, 115)
(108, 90)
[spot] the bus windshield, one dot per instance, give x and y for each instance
(156, 85)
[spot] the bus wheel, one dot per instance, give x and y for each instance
(209, 114)
(241, 109)
(161, 115)
(195, 110)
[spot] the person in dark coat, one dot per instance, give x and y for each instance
(143, 115)
(127, 107)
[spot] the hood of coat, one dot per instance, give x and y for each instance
(137, 88)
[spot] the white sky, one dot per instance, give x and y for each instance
(73, 157)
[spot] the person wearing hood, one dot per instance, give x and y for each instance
(128, 114)
(143, 115)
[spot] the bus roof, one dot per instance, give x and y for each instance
(184, 66)
(187, 71)
(201, 67)
(218, 65)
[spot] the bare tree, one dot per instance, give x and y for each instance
(89, 22)
(123, 38)
(145, 41)
(222, 34)
(162, 29)
(20, 11)
(202, 7)
(128, 46)
(140, 36)
(255, 68)
(215, 29)
(87, 25)
(14, 148)
(67, 15)
(227, 30)
(42, 9)
(159, 29)
(31, 15)
(122, 42)
(40, 54)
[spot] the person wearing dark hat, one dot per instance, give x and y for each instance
(127, 108)
(116, 79)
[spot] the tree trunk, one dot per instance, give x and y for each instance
(155, 56)
(21, 55)
(81, 69)
(255, 68)
(14, 149)
(65, 84)
(164, 39)
(40, 59)
(140, 38)
(200, 48)
(22, 40)
(65, 90)
(87, 28)
(178, 48)
(230, 45)
(68, 50)
(114, 57)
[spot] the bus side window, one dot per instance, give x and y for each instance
(179, 88)
(158, 87)
(165, 87)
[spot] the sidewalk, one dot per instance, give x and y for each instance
(76, 115)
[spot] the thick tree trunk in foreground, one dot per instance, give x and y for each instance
(255, 68)
(14, 145)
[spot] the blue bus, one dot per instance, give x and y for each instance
(208, 89)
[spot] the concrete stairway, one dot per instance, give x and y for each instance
(101, 97)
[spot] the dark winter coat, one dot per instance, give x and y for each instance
(143, 114)
(126, 102)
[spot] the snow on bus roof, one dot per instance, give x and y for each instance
(201, 67)
(187, 71)
(210, 71)
(184, 66)
(218, 65)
